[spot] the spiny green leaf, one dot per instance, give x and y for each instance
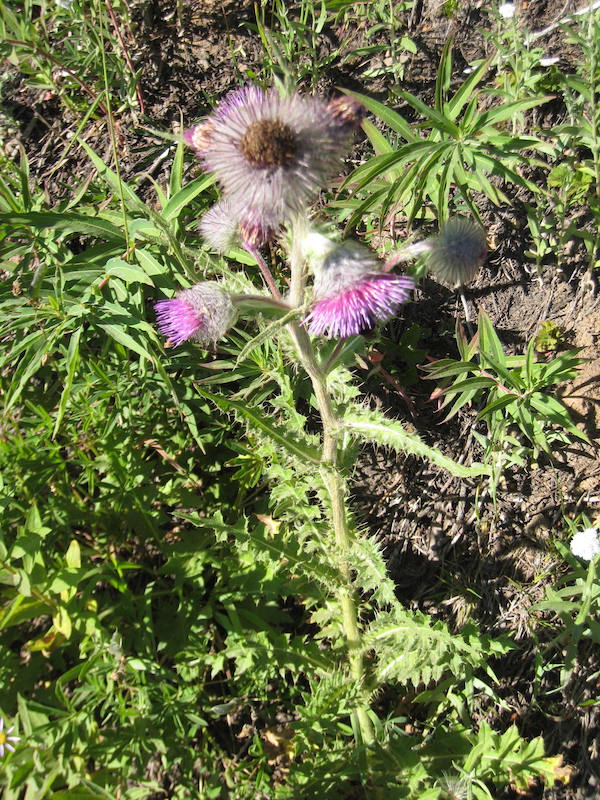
(373, 427)
(257, 418)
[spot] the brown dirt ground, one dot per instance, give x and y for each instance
(448, 556)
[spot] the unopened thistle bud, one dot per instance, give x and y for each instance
(351, 293)
(198, 137)
(457, 254)
(346, 111)
(204, 313)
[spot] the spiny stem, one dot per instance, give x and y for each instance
(333, 481)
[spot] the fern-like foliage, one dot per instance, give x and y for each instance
(412, 648)
(370, 572)
(372, 426)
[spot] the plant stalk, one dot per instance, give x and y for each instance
(333, 481)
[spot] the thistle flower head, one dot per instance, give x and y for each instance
(585, 544)
(347, 111)
(198, 137)
(203, 313)
(223, 227)
(352, 294)
(456, 255)
(315, 246)
(272, 154)
(6, 741)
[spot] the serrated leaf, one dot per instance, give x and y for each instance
(256, 418)
(373, 428)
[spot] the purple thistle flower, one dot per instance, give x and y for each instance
(5, 739)
(203, 313)
(352, 294)
(457, 254)
(273, 154)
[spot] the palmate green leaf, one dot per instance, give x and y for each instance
(184, 197)
(453, 107)
(446, 367)
(68, 222)
(385, 114)
(437, 118)
(505, 111)
(553, 410)
(256, 418)
(71, 361)
(373, 427)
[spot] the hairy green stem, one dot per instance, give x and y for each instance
(332, 479)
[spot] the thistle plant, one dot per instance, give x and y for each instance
(271, 156)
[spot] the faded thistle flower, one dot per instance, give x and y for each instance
(273, 154)
(585, 544)
(223, 227)
(203, 314)
(457, 254)
(5, 739)
(351, 294)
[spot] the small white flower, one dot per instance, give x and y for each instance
(5, 739)
(549, 61)
(68, 4)
(507, 10)
(585, 544)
